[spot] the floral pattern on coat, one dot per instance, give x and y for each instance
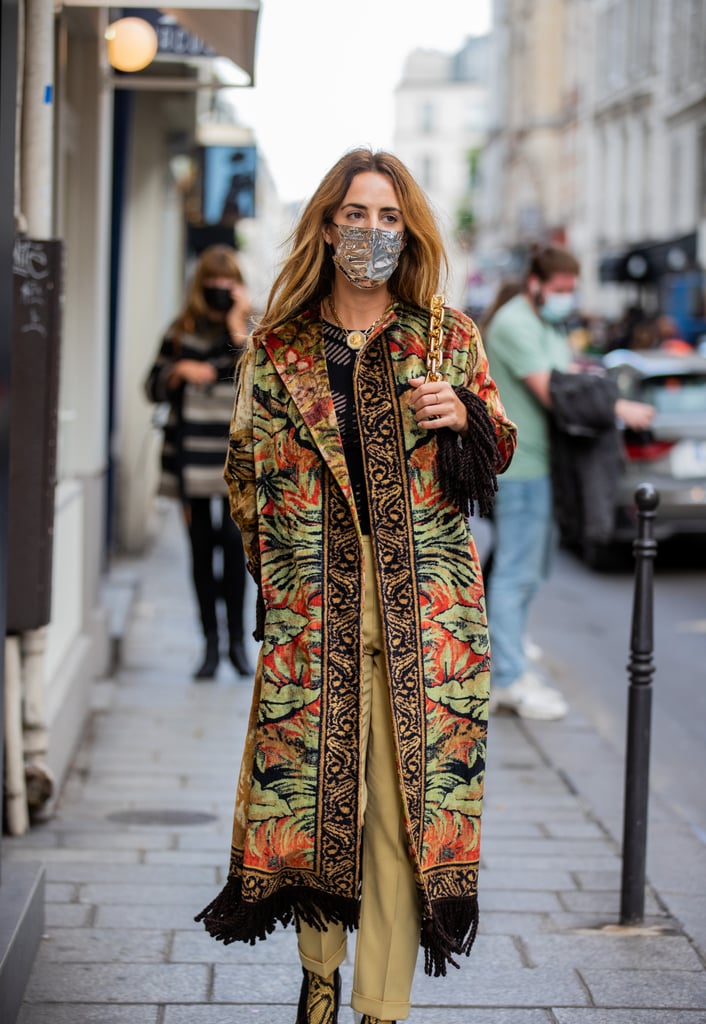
(297, 827)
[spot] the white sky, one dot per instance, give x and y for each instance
(326, 71)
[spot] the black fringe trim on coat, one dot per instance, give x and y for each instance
(450, 930)
(230, 919)
(468, 466)
(259, 631)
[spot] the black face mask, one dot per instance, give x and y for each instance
(218, 299)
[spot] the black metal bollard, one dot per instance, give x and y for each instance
(641, 669)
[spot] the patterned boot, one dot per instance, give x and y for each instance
(319, 998)
(367, 1019)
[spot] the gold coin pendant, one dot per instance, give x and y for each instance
(355, 340)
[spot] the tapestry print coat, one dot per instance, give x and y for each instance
(297, 827)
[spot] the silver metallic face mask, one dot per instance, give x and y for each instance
(367, 256)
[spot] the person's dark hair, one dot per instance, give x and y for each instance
(547, 260)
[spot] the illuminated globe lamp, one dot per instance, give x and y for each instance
(132, 44)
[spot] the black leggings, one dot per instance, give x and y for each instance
(207, 531)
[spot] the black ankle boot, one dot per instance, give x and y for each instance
(239, 659)
(207, 669)
(319, 998)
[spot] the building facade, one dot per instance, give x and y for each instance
(647, 128)
(524, 179)
(598, 141)
(441, 108)
(100, 243)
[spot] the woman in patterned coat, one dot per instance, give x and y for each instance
(351, 474)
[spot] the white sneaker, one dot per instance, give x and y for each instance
(533, 652)
(529, 697)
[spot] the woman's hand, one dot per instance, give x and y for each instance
(635, 415)
(435, 404)
(193, 371)
(239, 314)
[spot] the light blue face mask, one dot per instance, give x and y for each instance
(557, 307)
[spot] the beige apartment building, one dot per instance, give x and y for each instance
(598, 139)
(523, 168)
(441, 118)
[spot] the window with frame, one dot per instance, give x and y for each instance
(427, 118)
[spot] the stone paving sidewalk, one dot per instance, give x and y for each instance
(139, 843)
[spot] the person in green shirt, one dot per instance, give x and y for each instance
(525, 343)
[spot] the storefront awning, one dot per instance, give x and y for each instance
(228, 27)
(647, 262)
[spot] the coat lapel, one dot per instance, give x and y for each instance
(297, 354)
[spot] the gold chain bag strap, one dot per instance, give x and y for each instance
(467, 469)
(435, 354)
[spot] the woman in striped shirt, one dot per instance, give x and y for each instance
(193, 372)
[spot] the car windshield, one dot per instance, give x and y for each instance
(676, 394)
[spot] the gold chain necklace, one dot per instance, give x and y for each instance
(355, 339)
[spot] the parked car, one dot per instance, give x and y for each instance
(671, 455)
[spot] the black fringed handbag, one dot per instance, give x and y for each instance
(467, 465)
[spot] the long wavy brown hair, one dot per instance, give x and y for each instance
(214, 261)
(307, 274)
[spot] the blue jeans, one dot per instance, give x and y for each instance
(524, 539)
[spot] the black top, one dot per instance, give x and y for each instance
(340, 362)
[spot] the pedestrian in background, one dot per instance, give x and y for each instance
(526, 344)
(506, 290)
(351, 475)
(193, 373)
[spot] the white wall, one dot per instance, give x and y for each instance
(84, 223)
(73, 650)
(151, 291)
(83, 220)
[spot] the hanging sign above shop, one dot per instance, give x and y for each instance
(172, 38)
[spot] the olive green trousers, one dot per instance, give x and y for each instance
(387, 940)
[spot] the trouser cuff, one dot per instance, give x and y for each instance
(329, 965)
(380, 1008)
